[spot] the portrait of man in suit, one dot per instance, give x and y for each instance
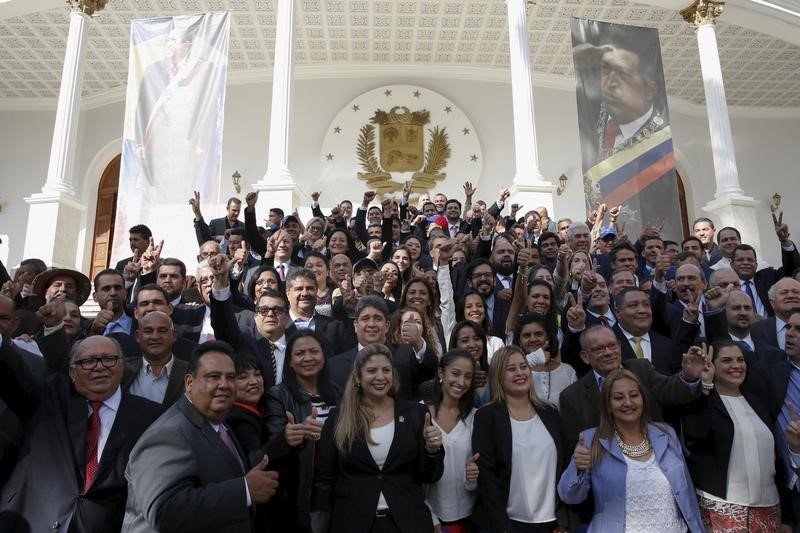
(187, 472)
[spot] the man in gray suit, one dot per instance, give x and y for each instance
(187, 473)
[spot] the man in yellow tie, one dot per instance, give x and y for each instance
(633, 329)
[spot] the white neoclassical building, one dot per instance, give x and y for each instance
(305, 75)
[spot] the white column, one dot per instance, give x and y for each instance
(530, 188)
(65, 132)
(701, 15)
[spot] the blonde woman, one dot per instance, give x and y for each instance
(517, 439)
(375, 454)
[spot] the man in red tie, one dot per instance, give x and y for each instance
(69, 477)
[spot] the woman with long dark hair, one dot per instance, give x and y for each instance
(296, 411)
(468, 336)
(452, 498)
(376, 453)
(633, 468)
(472, 307)
(318, 264)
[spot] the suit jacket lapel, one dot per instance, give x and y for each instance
(402, 433)
(659, 440)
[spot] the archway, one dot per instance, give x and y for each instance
(105, 212)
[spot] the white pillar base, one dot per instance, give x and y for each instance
(54, 223)
(738, 212)
(531, 195)
(284, 194)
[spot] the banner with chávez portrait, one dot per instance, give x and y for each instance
(172, 136)
(626, 139)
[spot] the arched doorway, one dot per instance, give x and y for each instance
(105, 213)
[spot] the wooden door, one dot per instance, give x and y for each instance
(104, 216)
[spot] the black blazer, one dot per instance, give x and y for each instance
(339, 335)
(661, 351)
(412, 373)
(767, 277)
(348, 485)
(182, 347)
(46, 487)
(174, 385)
(764, 331)
(491, 438)
(579, 404)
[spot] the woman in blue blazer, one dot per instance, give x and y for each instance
(634, 469)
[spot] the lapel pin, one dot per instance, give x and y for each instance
(402, 419)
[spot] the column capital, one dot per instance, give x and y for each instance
(703, 12)
(87, 6)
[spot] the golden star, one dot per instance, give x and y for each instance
(387, 92)
(356, 107)
(329, 157)
(473, 157)
(337, 129)
(416, 94)
(448, 109)
(466, 131)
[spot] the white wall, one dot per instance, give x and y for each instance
(766, 148)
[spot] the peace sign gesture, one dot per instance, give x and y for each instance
(781, 229)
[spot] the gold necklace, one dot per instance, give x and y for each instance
(636, 450)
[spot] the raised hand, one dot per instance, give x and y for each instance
(10, 289)
(261, 482)
(406, 190)
(582, 456)
(691, 312)
(131, 270)
(576, 316)
(469, 190)
(471, 470)
(503, 195)
(220, 267)
(662, 265)
(251, 199)
(315, 196)
(195, 203)
(53, 313)
(694, 363)
(589, 279)
(441, 255)
(708, 373)
(151, 259)
(312, 425)
(293, 432)
(375, 249)
(103, 319)
(411, 333)
(369, 196)
(717, 298)
(781, 229)
(432, 435)
(792, 431)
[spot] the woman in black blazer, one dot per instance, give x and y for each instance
(375, 454)
(518, 497)
(728, 432)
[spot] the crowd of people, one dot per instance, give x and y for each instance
(406, 366)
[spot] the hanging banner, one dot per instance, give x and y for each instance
(626, 140)
(172, 140)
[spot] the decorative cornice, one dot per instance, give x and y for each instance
(87, 6)
(703, 12)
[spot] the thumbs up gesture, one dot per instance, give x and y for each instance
(582, 455)
(103, 318)
(433, 437)
(312, 426)
(792, 431)
(472, 468)
(261, 483)
(294, 433)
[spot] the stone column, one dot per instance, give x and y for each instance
(730, 206)
(530, 188)
(57, 206)
(278, 180)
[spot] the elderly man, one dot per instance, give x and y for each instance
(187, 472)
(78, 438)
(157, 375)
(784, 296)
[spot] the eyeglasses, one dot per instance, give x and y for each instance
(90, 363)
(209, 255)
(482, 275)
(611, 347)
(265, 311)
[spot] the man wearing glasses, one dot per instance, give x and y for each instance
(80, 432)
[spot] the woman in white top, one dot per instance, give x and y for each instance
(471, 307)
(517, 440)
(634, 469)
(452, 497)
(732, 459)
(375, 454)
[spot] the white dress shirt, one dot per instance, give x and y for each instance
(108, 413)
(148, 385)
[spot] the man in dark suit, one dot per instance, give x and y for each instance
(171, 276)
(415, 362)
(139, 239)
(78, 438)
(301, 291)
(784, 297)
(703, 229)
(481, 278)
(187, 472)
(157, 375)
(633, 329)
(580, 402)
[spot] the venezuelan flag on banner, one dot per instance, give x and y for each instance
(626, 139)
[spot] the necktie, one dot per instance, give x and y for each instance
(600, 381)
(604, 320)
(610, 135)
(226, 438)
(92, 439)
(749, 290)
(507, 282)
(637, 347)
(281, 273)
(745, 347)
(272, 348)
(453, 231)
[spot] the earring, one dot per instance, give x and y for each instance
(358, 385)
(440, 380)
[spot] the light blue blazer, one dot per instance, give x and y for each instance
(606, 481)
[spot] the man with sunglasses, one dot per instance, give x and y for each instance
(79, 433)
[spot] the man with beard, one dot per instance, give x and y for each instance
(110, 295)
(482, 278)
